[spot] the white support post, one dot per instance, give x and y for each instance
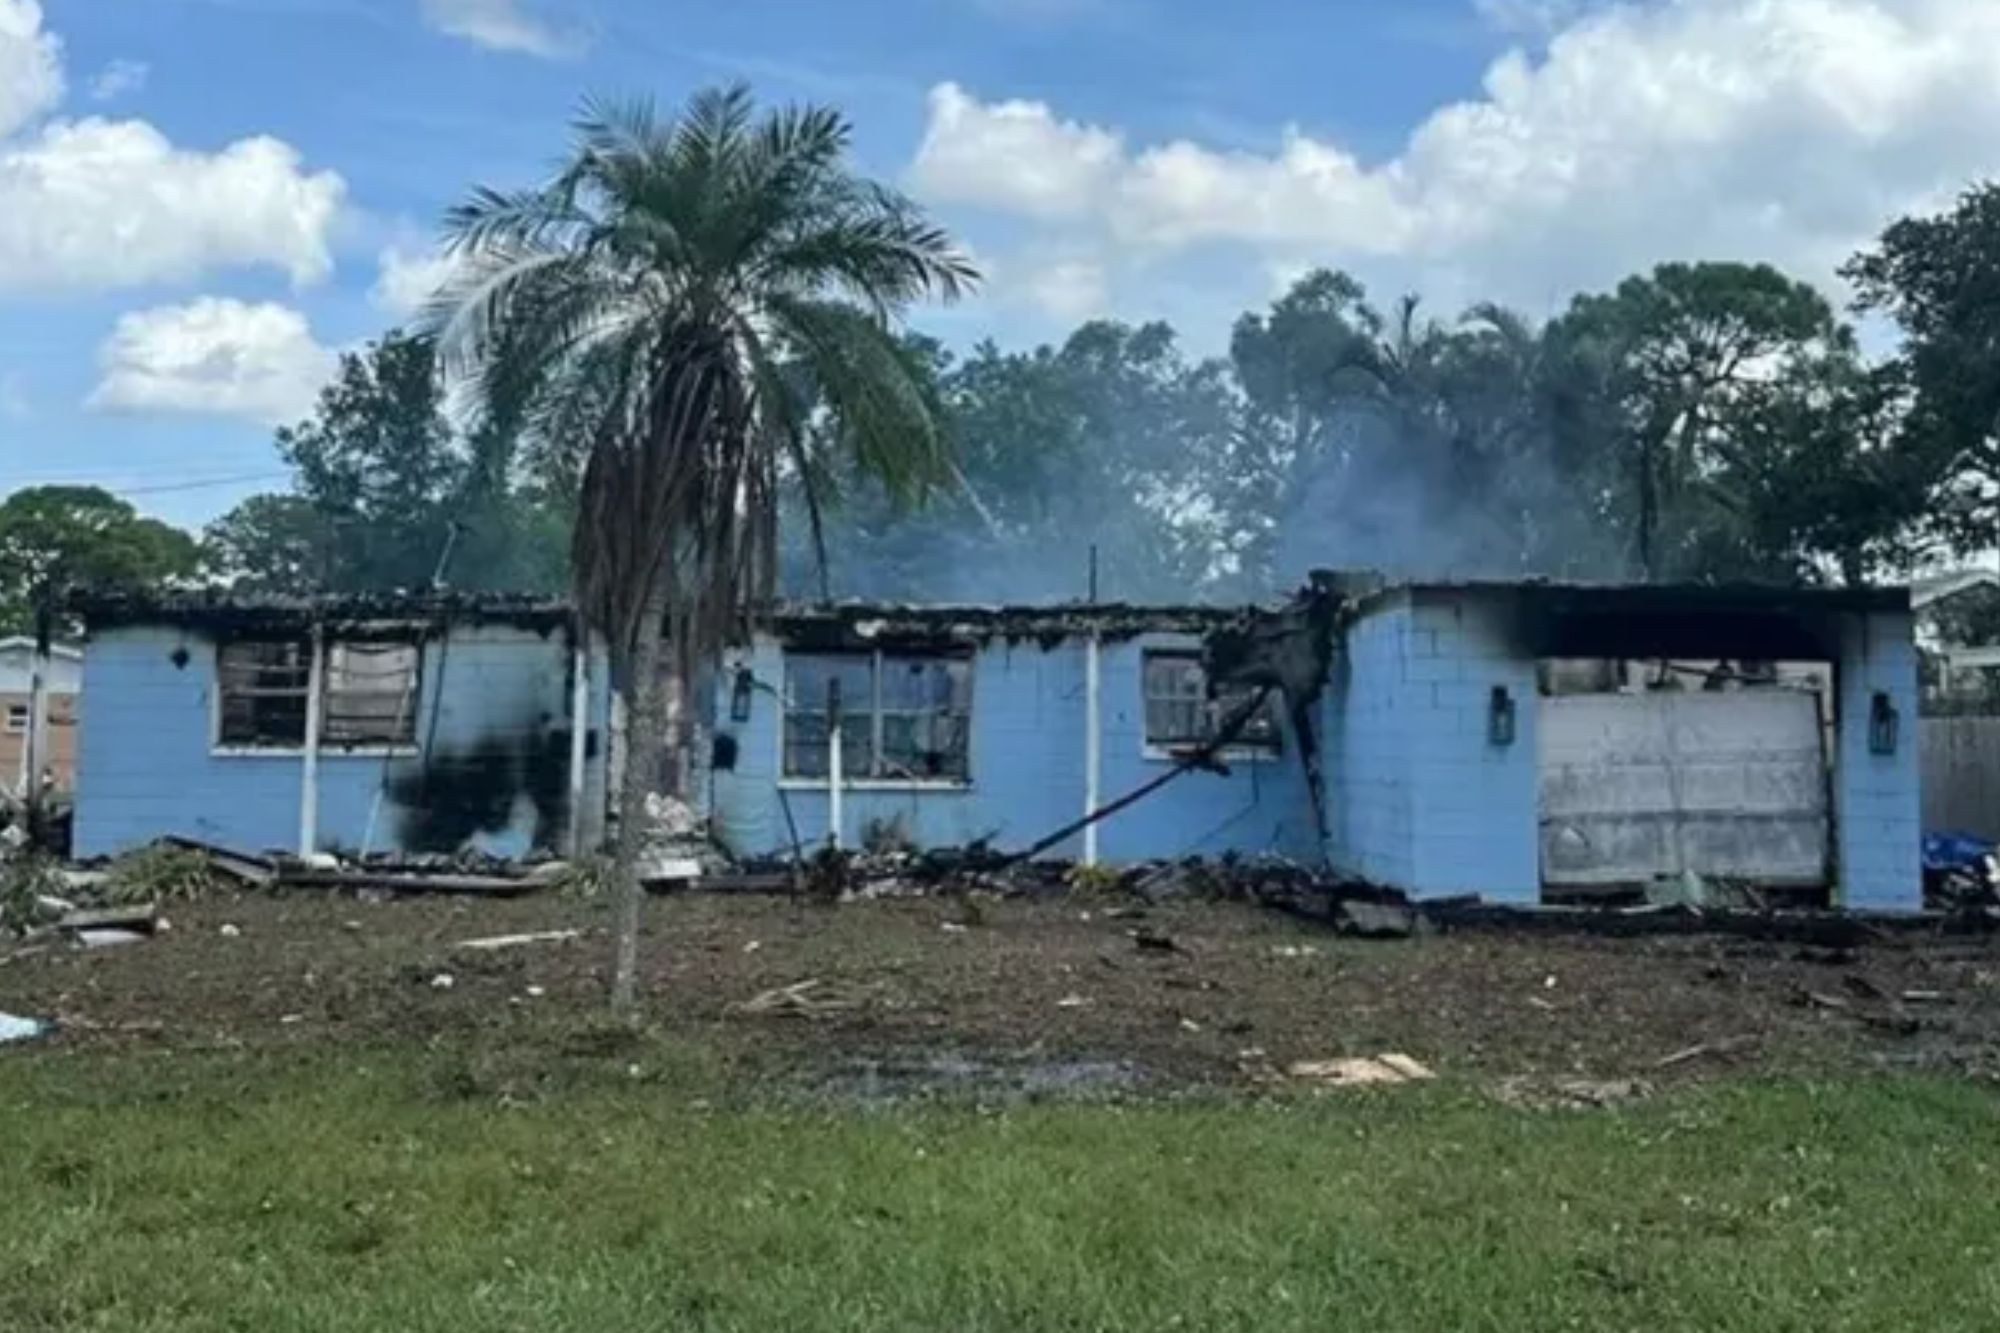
(309, 761)
(579, 734)
(36, 741)
(835, 779)
(1093, 743)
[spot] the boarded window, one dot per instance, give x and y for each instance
(1181, 715)
(370, 693)
(903, 716)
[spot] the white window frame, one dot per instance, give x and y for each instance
(875, 656)
(1237, 752)
(327, 749)
(20, 712)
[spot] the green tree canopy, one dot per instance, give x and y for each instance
(388, 492)
(57, 541)
(1938, 278)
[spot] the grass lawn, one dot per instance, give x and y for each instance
(388, 1191)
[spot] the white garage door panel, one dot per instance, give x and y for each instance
(1635, 786)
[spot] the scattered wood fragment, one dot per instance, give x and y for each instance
(495, 943)
(142, 917)
(1722, 1046)
(806, 999)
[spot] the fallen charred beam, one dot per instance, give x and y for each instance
(241, 866)
(481, 886)
(1825, 930)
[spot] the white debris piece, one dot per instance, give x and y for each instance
(671, 818)
(13, 1027)
(443, 981)
(229, 930)
(495, 943)
(1359, 1072)
(107, 938)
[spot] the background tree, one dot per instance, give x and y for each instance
(1662, 370)
(1938, 278)
(1101, 441)
(56, 541)
(686, 291)
(385, 485)
(1394, 441)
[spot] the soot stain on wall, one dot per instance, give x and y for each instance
(457, 793)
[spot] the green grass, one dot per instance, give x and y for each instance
(166, 1192)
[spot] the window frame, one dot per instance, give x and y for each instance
(9, 726)
(1239, 750)
(875, 657)
(221, 748)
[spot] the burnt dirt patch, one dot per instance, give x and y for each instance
(887, 999)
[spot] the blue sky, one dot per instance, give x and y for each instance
(201, 201)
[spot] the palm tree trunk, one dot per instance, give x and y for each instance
(645, 741)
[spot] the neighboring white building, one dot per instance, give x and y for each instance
(61, 687)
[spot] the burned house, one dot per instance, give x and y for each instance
(359, 725)
(1518, 741)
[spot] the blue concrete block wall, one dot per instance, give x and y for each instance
(1027, 759)
(1877, 797)
(1419, 797)
(1474, 805)
(1367, 762)
(147, 765)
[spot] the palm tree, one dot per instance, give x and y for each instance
(696, 298)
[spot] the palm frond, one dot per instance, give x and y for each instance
(874, 388)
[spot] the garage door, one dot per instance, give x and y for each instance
(1635, 786)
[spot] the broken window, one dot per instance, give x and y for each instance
(1181, 715)
(903, 716)
(261, 688)
(369, 696)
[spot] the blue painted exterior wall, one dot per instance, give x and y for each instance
(1027, 769)
(1878, 797)
(1421, 797)
(491, 696)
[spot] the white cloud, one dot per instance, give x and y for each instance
(501, 25)
(407, 278)
(1071, 288)
(1014, 156)
(119, 78)
(96, 203)
(213, 355)
(30, 65)
(1788, 130)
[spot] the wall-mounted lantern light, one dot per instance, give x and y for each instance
(1882, 724)
(1500, 717)
(739, 695)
